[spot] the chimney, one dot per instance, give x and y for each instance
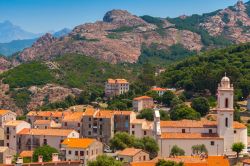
(19, 160)
(40, 158)
(8, 160)
(55, 157)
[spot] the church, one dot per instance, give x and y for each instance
(218, 136)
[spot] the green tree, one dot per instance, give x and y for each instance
(167, 97)
(184, 112)
(122, 140)
(46, 151)
(149, 145)
(104, 160)
(201, 105)
(147, 114)
(238, 147)
(177, 151)
(168, 163)
(198, 149)
(153, 94)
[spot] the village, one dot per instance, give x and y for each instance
(81, 134)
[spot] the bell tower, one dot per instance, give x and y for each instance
(225, 110)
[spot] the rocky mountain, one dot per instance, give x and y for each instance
(120, 36)
(62, 32)
(10, 32)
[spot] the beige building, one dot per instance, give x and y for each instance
(102, 124)
(143, 102)
(129, 155)
(73, 121)
(159, 91)
(11, 129)
(141, 128)
(5, 152)
(29, 139)
(6, 116)
(116, 87)
(46, 124)
(84, 149)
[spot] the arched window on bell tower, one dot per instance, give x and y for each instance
(226, 103)
(226, 122)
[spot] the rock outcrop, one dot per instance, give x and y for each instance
(118, 38)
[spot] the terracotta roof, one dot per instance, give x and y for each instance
(49, 132)
(189, 136)
(189, 161)
(238, 125)
(246, 161)
(129, 152)
(26, 153)
(42, 122)
(14, 122)
(146, 125)
(3, 112)
(105, 113)
(159, 89)
(74, 117)
(55, 114)
(143, 98)
(189, 124)
(78, 142)
(118, 81)
(89, 112)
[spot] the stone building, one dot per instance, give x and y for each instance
(116, 87)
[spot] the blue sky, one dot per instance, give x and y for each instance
(46, 15)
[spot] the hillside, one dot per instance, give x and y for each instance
(34, 84)
(123, 37)
(204, 71)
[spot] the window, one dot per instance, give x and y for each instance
(212, 143)
(226, 122)
(144, 158)
(65, 124)
(45, 141)
(81, 153)
(89, 132)
(8, 137)
(235, 131)
(210, 131)
(87, 152)
(126, 117)
(8, 144)
(133, 132)
(76, 153)
(89, 119)
(101, 119)
(226, 103)
(133, 126)
(69, 152)
(126, 124)
(78, 124)
(8, 130)
(145, 132)
(183, 131)
(89, 125)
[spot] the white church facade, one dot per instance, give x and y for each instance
(218, 136)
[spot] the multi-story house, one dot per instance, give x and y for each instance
(29, 139)
(102, 124)
(129, 155)
(143, 102)
(116, 87)
(141, 128)
(73, 121)
(84, 149)
(57, 116)
(6, 116)
(11, 129)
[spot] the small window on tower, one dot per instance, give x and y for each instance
(226, 122)
(226, 103)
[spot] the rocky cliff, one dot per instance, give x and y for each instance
(118, 38)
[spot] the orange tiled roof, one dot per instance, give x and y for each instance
(89, 112)
(74, 117)
(159, 89)
(55, 114)
(189, 161)
(14, 122)
(146, 125)
(129, 152)
(142, 98)
(189, 136)
(238, 125)
(48, 132)
(26, 153)
(42, 122)
(3, 112)
(78, 142)
(246, 161)
(118, 81)
(189, 123)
